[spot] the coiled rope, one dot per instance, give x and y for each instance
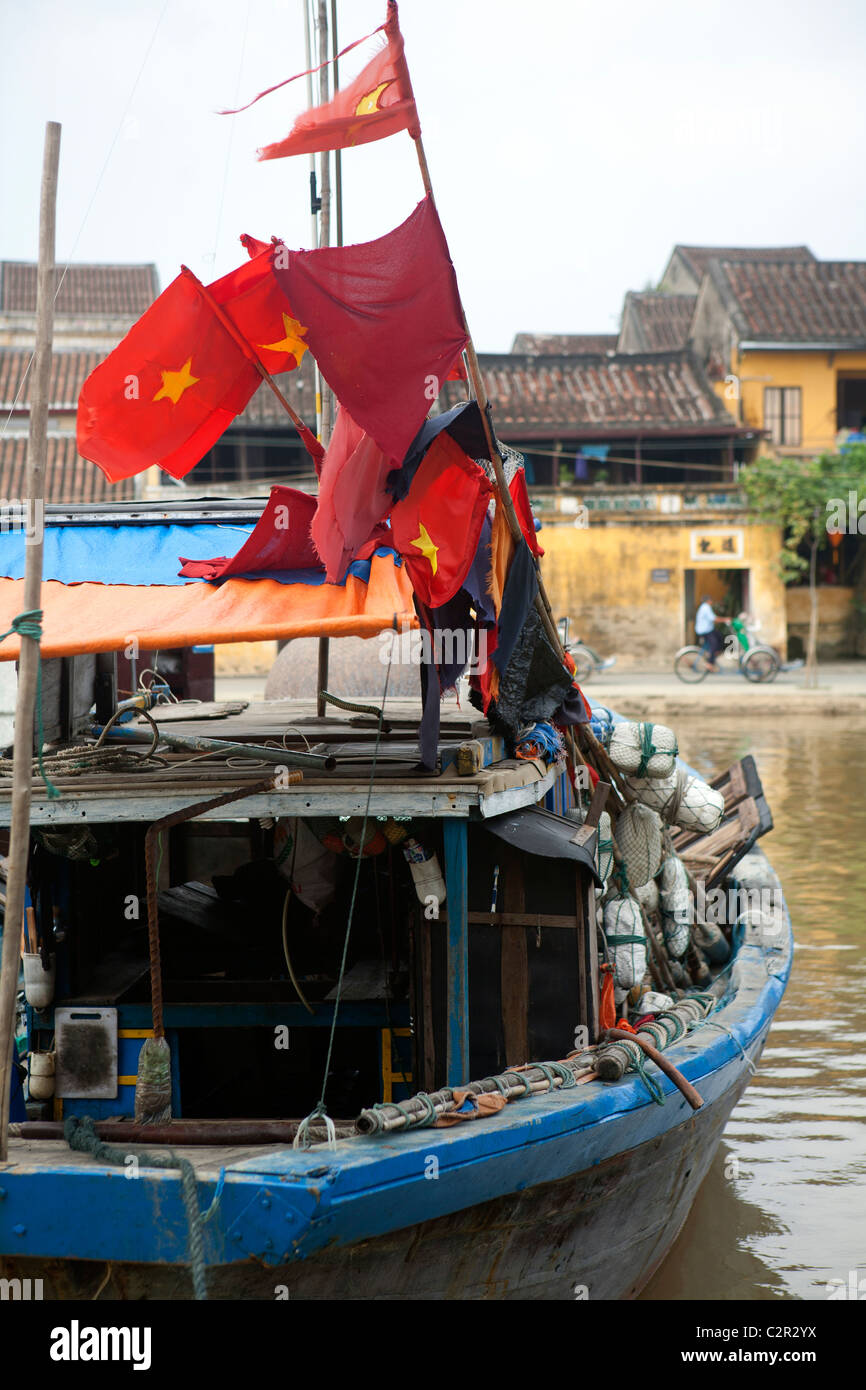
(29, 624)
(80, 1134)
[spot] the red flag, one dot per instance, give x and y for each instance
(384, 323)
(378, 103)
(437, 527)
(520, 498)
(279, 541)
(174, 384)
(352, 495)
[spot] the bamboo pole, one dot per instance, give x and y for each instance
(327, 413)
(28, 661)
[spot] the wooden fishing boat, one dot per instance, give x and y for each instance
(570, 1192)
(241, 915)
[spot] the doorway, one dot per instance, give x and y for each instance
(727, 590)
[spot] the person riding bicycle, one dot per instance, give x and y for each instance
(705, 629)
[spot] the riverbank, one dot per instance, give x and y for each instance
(841, 690)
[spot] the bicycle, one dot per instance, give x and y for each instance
(757, 661)
(585, 659)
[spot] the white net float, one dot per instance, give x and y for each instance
(676, 906)
(680, 799)
(643, 750)
(626, 938)
(701, 806)
(648, 895)
(639, 837)
(604, 847)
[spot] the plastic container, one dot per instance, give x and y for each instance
(425, 870)
(39, 982)
(41, 1075)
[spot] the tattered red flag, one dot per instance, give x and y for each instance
(437, 527)
(384, 323)
(379, 102)
(352, 495)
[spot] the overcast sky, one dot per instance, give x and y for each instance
(571, 144)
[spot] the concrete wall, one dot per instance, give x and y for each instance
(601, 577)
(834, 618)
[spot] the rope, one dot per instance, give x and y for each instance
(422, 1121)
(29, 624)
(708, 1023)
(81, 1136)
(652, 1086)
(320, 1111)
(647, 747)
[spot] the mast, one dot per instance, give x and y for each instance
(325, 240)
(28, 625)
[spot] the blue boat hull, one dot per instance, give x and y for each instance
(578, 1194)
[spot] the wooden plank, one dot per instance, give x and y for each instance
(428, 1045)
(587, 952)
(514, 967)
(457, 973)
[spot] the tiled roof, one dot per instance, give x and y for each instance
(550, 397)
(69, 370)
(298, 387)
(98, 290)
(813, 301)
(659, 322)
(698, 257)
(572, 344)
(68, 477)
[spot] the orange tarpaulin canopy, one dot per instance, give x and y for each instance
(106, 617)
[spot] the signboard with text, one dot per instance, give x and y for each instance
(717, 543)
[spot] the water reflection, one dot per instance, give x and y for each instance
(783, 1210)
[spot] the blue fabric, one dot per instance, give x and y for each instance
(120, 554)
(142, 554)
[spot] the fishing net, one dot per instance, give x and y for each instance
(644, 750)
(624, 930)
(639, 837)
(675, 904)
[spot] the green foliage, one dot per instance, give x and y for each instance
(803, 496)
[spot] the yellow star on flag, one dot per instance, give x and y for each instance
(175, 383)
(426, 546)
(292, 342)
(372, 101)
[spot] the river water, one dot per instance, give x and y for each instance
(782, 1212)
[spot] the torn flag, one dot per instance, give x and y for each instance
(384, 322)
(379, 102)
(352, 495)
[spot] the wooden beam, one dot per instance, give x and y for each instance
(514, 968)
(454, 834)
(587, 952)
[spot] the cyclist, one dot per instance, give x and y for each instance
(705, 629)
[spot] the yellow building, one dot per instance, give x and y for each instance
(631, 584)
(785, 340)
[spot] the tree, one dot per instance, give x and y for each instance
(808, 498)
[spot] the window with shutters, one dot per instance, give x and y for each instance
(782, 414)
